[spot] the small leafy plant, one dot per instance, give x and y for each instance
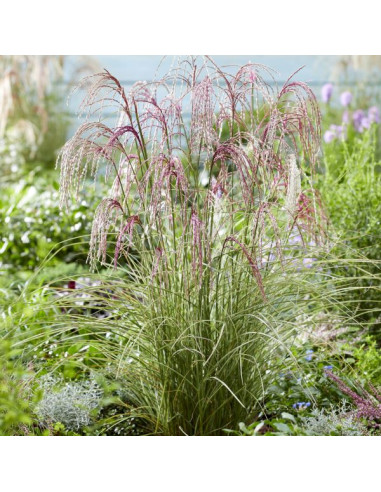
(339, 421)
(71, 404)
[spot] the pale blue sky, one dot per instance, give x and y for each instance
(317, 68)
(130, 68)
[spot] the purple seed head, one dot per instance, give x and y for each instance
(252, 76)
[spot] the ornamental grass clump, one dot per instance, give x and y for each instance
(211, 176)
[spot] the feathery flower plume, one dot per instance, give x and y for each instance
(125, 178)
(158, 257)
(217, 188)
(197, 228)
(202, 131)
(128, 230)
(106, 214)
(162, 171)
(82, 151)
(301, 120)
(294, 187)
(118, 132)
(154, 155)
(247, 171)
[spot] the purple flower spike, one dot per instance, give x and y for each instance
(368, 403)
(345, 118)
(334, 131)
(374, 114)
(357, 117)
(337, 130)
(346, 98)
(326, 92)
(329, 136)
(365, 122)
(362, 122)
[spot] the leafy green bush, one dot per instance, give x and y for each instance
(368, 361)
(31, 225)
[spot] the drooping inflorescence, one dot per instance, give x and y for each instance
(249, 141)
(368, 404)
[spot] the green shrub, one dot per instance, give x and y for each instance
(368, 361)
(31, 225)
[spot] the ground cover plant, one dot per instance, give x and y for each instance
(223, 297)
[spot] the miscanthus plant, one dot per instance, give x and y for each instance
(211, 213)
